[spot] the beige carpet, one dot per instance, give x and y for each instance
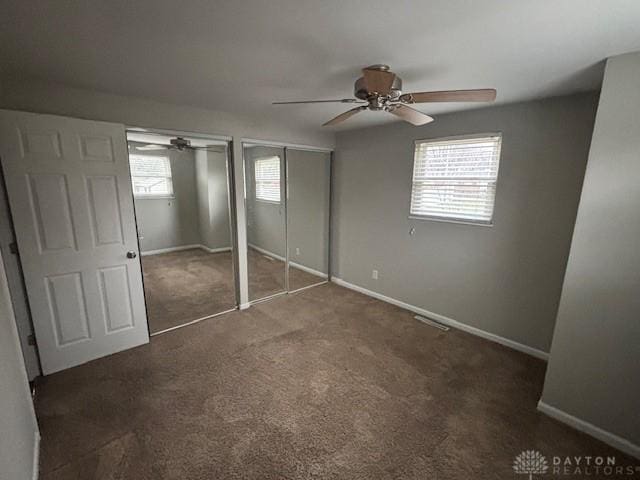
(323, 384)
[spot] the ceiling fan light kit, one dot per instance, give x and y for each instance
(381, 90)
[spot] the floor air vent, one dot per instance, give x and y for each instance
(433, 323)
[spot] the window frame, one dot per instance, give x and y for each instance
(151, 196)
(255, 180)
(453, 219)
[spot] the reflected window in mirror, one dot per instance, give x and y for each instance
(267, 178)
(151, 176)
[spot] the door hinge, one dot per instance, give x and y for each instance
(31, 339)
(13, 248)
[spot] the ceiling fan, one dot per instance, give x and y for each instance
(177, 143)
(381, 89)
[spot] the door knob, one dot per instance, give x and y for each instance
(132, 254)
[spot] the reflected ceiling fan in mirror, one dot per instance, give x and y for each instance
(381, 89)
(177, 143)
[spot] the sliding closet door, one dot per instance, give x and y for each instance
(266, 220)
(185, 229)
(216, 221)
(308, 187)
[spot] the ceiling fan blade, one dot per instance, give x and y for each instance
(152, 147)
(410, 115)
(378, 81)
(478, 95)
(343, 100)
(344, 116)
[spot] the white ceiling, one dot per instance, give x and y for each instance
(238, 56)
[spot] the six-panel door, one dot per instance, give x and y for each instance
(70, 196)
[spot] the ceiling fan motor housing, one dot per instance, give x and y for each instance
(360, 90)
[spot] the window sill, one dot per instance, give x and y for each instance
(452, 220)
(271, 202)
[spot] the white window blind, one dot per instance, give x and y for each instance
(151, 176)
(456, 178)
(267, 173)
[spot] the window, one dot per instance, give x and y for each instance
(151, 176)
(455, 179)
(267, 171)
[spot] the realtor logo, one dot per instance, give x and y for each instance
(530, 462)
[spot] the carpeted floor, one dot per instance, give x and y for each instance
(325, 383)
(186, 285)
(189, 284)
(266, 276)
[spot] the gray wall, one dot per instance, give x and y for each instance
(308, 208)
(213, 199)
(265, 220)
(18, 426)
(505, 279)
(594, 370)
(170, 222)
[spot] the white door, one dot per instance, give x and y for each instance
(71, 202)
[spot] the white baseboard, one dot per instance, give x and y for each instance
(185, 247)
(170, 249)
(293, 264)
(267, 252)
(215, 250)
(607, 437)
(36, 456)
(446, 320)
(244, 306)
(299, 266)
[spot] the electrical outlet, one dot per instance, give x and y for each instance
(374, 274)
(297, 251)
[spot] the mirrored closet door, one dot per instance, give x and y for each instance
(185, 231)
(308, 192)
(287, 204)
(266, 220)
